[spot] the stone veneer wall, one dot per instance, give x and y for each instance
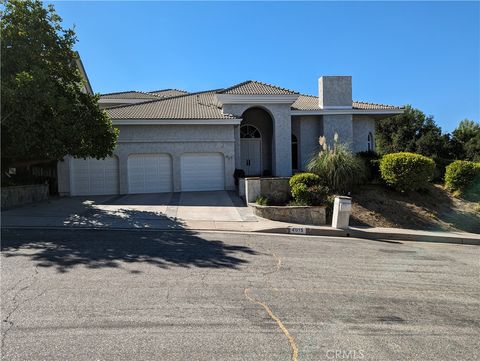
(18, 195)
(303, 215)
(277, 188)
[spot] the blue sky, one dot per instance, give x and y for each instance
(422, 53)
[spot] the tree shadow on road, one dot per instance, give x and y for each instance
(69, 248)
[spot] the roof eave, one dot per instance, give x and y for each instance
(349, 111)
(255, 99)
(221, 121)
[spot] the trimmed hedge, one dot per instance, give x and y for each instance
(460, 174)
(307, 190)
(406, 171)
(315, 195)
(309, 179)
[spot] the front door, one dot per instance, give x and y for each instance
(251, 155)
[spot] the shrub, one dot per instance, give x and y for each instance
(314, 195)
(262, 201)
(309, 179)
(338, 168)
(440, 168)
(371, 161)
(276, 198)
(460, 174)
(406, 171)
(238, 173)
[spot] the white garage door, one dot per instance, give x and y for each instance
(149, 173)
(202, 172)
(94, 176)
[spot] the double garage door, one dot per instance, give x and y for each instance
(148, 173)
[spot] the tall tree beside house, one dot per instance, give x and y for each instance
(414, 132)
(468, 135)
(45, 113)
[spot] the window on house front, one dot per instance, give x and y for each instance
(294, 152)
(370, 146)
(249, 131)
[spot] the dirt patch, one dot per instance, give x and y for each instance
(433, 209)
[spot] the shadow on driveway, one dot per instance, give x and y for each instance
(66, 249)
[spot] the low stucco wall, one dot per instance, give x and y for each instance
(316, 216)
(18, 195)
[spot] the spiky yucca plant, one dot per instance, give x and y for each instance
(337, 166)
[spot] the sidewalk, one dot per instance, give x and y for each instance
(105, 213)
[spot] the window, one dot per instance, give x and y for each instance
(294, 152)
(370, 146)
(249, 131)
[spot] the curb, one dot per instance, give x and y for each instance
(290, 230)
(445, 238)
(380, 236)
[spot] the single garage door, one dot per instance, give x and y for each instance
(94, 176)
(202, 172)
(149, 173)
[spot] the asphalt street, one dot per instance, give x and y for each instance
(135, 295)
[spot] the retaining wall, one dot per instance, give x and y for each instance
(315, 215)
(18, 195)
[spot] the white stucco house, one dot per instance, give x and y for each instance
(171, 140)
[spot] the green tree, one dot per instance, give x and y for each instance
(468, 135)
(45, 113)
(411, 131)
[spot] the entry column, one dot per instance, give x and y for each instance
(282, 140)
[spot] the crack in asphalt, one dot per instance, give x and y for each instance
(17, 304)
(290, 338)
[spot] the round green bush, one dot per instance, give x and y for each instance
(309, 179)
(309, 196)
(460, 174)
(406, 171)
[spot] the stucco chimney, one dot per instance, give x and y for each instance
(335, 92)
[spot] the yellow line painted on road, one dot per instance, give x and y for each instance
(291, 339)
(279, 261)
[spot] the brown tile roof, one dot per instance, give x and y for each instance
(310, 102)
(251, 87)
(365, 105)
(178, 104)
(167, 93)
(189, 106)
(134, 94)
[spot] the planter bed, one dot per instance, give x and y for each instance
(312, 215)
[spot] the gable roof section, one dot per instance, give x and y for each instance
(310, 102)
(131, 94)
(173, 104)
(189, 106)
(251, 87)
(168, 93)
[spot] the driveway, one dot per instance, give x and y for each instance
(162, 211)
(100, 295)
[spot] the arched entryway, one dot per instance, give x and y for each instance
(256, 132)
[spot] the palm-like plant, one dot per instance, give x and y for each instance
(338, 167)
